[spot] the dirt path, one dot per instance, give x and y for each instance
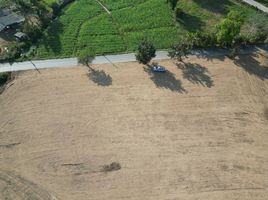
(196, 132)
(104, 7)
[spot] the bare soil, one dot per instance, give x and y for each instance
(198, 132)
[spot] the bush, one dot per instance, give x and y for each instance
(201, 39)
(4, 77)
(114, 166)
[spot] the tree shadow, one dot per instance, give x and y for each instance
(211, 53)
(190, 22)
(51, 37)
(215, 6)
(197, 74)
(165, 80)
(252, 66)
(100, 77)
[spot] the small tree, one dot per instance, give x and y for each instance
(86, 56)
(33, 31)
(229, 28)
(227, 31)
(180, 50)
(146, 51)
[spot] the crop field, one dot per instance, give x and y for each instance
(85, 23)
(194, 133)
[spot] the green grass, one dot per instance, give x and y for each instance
(84, 23)
(50, 2)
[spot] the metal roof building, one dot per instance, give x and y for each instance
(8, 18)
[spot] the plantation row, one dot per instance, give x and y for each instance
(84, 23)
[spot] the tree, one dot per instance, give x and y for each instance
(33, 31)
(180, 50)
(146, 51)
(86, 56)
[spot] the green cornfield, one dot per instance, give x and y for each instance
(84, 23)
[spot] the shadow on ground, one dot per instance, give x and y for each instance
(190, 22)
(210, 54)
(250, 64)
(215, 6)
(197, 74)
(165, 80)
(51, 38)
(100, 77)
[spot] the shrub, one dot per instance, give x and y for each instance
(201, 39)
(114, 166)
(4, 77)
(13, 52)
(227, 31)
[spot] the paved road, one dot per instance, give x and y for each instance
(72, 62)
(257, 5)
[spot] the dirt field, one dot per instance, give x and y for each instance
(195, 133)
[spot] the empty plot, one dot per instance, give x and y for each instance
(126, 133)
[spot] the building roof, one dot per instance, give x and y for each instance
(20, 35)
(2, 27)
(8, 18)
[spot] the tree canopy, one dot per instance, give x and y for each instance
(146, 51)
(86, 56)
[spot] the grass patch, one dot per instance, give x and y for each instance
(84, 23)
